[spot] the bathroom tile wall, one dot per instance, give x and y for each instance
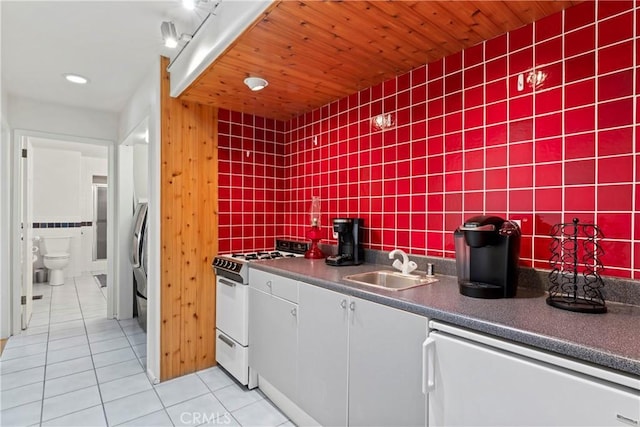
(468, 140)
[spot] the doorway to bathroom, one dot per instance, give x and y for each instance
(62, 219)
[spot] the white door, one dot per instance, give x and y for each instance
(323, 341)
(385, 366)
(26, 219)
(479, 385)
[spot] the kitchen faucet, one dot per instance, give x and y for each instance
(405, 266)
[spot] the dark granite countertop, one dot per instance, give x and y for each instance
(610, 340)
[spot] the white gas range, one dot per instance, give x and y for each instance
(232, 305)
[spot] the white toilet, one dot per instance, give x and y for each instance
(56, 257)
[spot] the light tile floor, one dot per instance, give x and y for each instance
(75, 367)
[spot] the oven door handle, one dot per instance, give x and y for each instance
(227, 282)
(226, 340)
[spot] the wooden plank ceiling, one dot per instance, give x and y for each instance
(315, 52)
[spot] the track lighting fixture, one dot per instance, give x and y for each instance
(170, 35)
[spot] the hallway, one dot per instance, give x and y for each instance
(74, 367)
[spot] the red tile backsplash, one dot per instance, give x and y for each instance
(467, 139)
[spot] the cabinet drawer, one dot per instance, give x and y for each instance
(232, 356)
(279, 286)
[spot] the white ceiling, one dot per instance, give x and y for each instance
(113, 43)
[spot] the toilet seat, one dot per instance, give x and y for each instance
(57, 255)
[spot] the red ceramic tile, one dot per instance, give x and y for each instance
(473, 139)
(616, 57)
(521, 61)
(521, 200)
(579, 120)
(520, 38)
(453, 162)
(548, 150)
(554, 77)
(610, 8)
(435, 164)
(615, 169)
(496, 135)
(616, 254)
(579, 15)
(495, 47)
(496, 112)
(541, 249)
(453, 142)
(474, 76)
(549, 125)
(435, 108)
(496, 156)
(521, 130)
(435, 203)
(521, 177)
(548, 175)
(521, 107)
(453, 102)
(496, 69)
(435, 69)
(474, 97)
(579, 198)
(615, 225)
(580, 67)
(473, 117)
(473, 55)
(453, 122)
(435, 126)
(616, 29)
(580, 41)
(580, 172)
(580, 146)
(616, 85)
(473, 159)
(453, 63)
(549, 51)
(615, 141)
(474, 201)
(473, 181)
(544, 222)
(615, 113)
(548, 199)
(496, 201)
(453, 82)
(435, 145)
(453, 202)
(496, 91)
(548, 27)
(579, 94)
(615, 197)
(496, 179)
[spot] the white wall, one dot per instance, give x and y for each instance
(57, 175)
(29, 114)
(141, 172)
(145, 103)
(5, 212)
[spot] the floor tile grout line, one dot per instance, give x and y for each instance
(95, 372)
(46, 356)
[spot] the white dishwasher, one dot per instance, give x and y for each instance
(479, 380)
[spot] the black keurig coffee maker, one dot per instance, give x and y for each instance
(487, 254)
(348, 231)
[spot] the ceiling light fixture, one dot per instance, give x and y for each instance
(169, 34)
(256, 83)
(76, 78)
(189, 4)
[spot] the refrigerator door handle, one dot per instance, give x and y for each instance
(428, 365)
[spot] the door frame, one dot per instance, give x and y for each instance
(16, 246)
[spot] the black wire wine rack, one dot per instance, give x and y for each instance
(576, 267)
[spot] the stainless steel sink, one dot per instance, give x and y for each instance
(390, 280)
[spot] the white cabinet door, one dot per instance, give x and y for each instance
(323, 343)
(273, 340)
(385, 366)
(484, 386)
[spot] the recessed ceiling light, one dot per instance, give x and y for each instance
(189, 4)
(75, 78)
(256, 83)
